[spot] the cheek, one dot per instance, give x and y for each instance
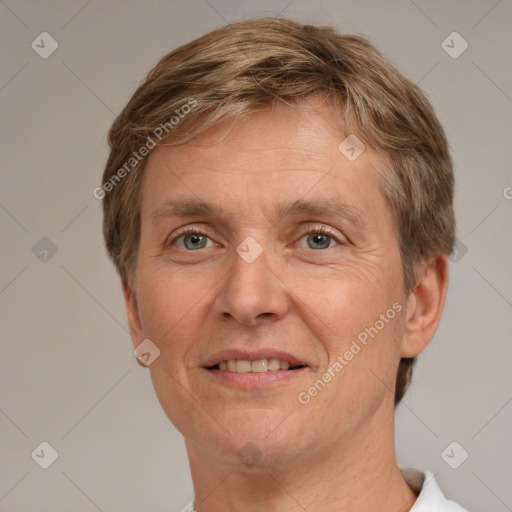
(356, 316)
(166, 297)
(358, 377)
(340, 302)
(171, 310)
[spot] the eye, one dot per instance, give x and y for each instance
(191, 240)
(320, 238)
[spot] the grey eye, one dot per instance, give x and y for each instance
(194, 241)
(319, 241)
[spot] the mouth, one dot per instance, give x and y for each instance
(272, 364)
(251, 370)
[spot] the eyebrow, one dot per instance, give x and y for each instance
(332, 206)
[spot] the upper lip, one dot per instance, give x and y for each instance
(252, 355)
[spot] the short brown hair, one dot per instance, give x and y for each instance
(248, 66)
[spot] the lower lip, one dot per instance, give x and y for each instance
(255, 380)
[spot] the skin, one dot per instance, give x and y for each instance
(336, 452)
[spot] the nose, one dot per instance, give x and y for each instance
(252, 291)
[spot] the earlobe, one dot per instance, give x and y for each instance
(425, 306)
(132, 313)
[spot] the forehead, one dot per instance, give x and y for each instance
(301, 152)
(304, 133)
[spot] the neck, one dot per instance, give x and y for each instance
(358, 473)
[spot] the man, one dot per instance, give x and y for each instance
(278, 203)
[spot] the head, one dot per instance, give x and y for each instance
(214, 121)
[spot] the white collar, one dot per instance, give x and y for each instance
(430, 498)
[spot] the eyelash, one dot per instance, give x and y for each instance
(317, 230)
(189, 231)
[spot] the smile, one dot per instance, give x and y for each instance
(256, 366)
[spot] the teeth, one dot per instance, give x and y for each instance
(243, 366)
(258, 366)
(261, 365)
(274, 364)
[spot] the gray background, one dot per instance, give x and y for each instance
(67, 372)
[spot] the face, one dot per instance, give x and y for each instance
(264, 248)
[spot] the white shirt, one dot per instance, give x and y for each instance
(430, 497)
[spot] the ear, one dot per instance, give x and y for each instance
(425, 306)
(132, 312)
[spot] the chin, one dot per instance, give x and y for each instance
(255, 440)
